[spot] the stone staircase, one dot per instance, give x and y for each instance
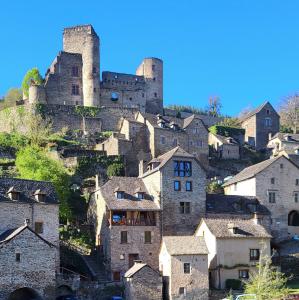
(96, 267)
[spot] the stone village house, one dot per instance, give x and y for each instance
(183, 263)
(127, 211)
(224, 147)
(142, 282)
(28, 253)
(275, 182)
(234, 246)
(260, 125)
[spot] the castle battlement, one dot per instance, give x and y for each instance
(87, 29)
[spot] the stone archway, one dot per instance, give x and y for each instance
(293, 218)
(24, 294)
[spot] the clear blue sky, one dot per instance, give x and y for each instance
(244, 51)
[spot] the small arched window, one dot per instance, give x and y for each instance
(114, 96)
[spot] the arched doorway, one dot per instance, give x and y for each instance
(293, 218)
(24, 294)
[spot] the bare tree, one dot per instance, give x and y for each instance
(289, 112)
(245, 111)
(214, 106)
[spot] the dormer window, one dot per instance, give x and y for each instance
(232, 228)
(139, 195)
(161, 123)
(13, 194)
(39, 196)
(120, 195)
(174, 126)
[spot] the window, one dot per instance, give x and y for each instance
(75, 90)
(94, 70)
(123, 237)
(185, 207)
(199, 143)
(271, 197)
(154, 79)
(268, 122)
(153, 68)
(18, 257)
(120, 195)
(254, 254)
(187, 268)
(189, 186)
(140, 195)
(243, 274)
(268, 112)
(182, 291)
(281, 166)
(147, 237)
(272, 180)
(116, 276)
(114, 96)
(177, 185)
(39, 227)
(297, 182)
(296, 197)
(182, 168)
(156, 95)
(175, 142)
(163, 140)
(142, 95)
(75, 71)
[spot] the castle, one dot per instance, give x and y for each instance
(73, 78)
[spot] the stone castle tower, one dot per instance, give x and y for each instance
(84, 40)
(73, 78)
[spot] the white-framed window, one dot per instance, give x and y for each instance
(182, 290)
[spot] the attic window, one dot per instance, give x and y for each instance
(139, 195)
(268, 112)
(40, 196)
(13, 194)
(120, 195)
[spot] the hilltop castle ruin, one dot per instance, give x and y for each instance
(73, 78)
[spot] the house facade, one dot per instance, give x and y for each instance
(183, 263)
(275, 182)
(260, 125)
(235, 247)
(224, 147)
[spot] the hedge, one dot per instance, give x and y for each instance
(226, 130)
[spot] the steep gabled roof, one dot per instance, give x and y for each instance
(128, 185)
(245, 228)
(251, 171)
(10, 234)
(164, 158)
(255, 111)
(136, 268)
(185, 245)
(27, 189)
(293, 137)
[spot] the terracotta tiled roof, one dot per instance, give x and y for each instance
(245, 228)
(128, 185)
(251, 171)
(27, 189)
(185, 245)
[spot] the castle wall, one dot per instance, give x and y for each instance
(84, 40)
(60, 80)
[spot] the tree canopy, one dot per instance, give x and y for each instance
(289, 112)
(12, 95)
(32, 76)
(33, 163)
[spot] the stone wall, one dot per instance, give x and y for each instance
(175, 222)
(35, 270)
(146, 284)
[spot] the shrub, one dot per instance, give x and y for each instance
(32, 75)
(226, 130)
(115, 169)
(234, 284)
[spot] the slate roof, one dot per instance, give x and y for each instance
(255, 111)
(128, 185)
(27, 188)
(245, 228)
(251, 171)
(294, 137)
(164, 158)
(136, 268)
(225, 139)
(10, 234)
(185, 245)
(234, 205)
